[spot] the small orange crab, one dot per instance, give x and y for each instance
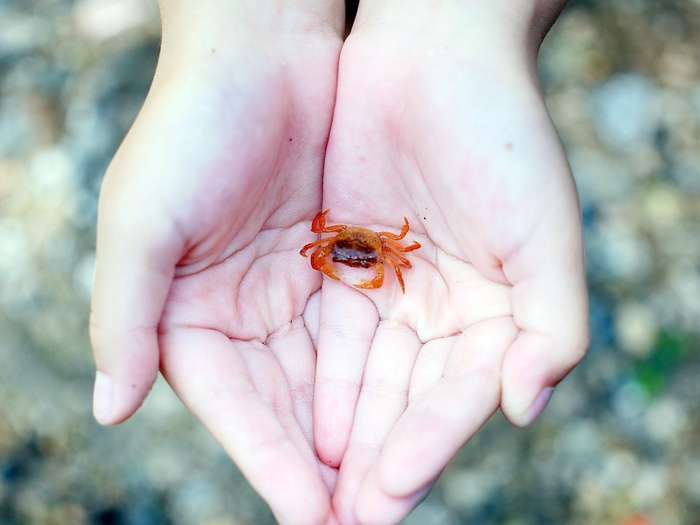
(359, 248)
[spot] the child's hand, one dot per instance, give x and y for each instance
(225, 158)
(439, 118)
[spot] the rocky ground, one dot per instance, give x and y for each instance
(620, 443)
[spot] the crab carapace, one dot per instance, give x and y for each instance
(359, 248)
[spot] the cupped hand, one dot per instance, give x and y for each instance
(202, 214)
(451, 131)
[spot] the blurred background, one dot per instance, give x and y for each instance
(620, 443)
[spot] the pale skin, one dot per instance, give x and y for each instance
(455, 132)
(205, 207)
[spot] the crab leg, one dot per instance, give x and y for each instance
(399, 277)
(393, 236)
(393, 249)
(320, 260)
(410, 247)
(318, 225)
(396, 247)
(375, 282)
(311, 245)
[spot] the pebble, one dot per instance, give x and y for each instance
(636, 327)
(623, 83)
(622, 110)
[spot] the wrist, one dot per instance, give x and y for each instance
(226, 24)
(509, 23)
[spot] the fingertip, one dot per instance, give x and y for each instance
(102, 398)
(374, 505)
(330, 426)
(127, 366)
(330, 445)
(329, 458)
(532, 367)
(536, 406)
(333, 415)
(115, 402)
(525, 376)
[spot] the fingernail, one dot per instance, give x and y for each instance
(102, 398)
(538, 405)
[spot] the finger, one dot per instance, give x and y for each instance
(550, 308)
(312, 314)
(347, 324)
(208, 373)
(293, 349)
(291, 399)
(274, 390)
(383, 398)
(377, 507)
(453, 410)
(299, 369)
(357, 462)
(136, 256)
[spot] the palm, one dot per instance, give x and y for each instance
(227, 186)
(236, 349)
(234, 343)
(482, 193)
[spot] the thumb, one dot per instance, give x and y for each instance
(137, 250)
(550, 307)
